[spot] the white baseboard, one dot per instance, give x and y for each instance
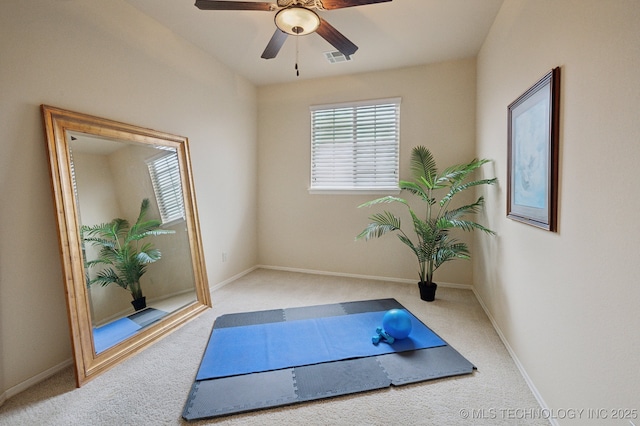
(366, 277)
(526, 377)
(12, 391)
(233, 278)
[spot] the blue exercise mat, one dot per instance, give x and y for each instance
(113, 333)
(271, 346)
(224, 396)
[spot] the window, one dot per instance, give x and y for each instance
(165, 178)
(355, 146)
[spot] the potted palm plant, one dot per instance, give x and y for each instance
(123, 256)
(432, 244)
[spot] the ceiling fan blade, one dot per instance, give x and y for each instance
(337, 40)
(275, 44)
(339, 4)
(234, 5)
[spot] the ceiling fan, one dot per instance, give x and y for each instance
(295, 17)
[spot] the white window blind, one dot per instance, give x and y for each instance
(165, 177)
(355, 146)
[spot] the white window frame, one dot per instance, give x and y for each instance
(362, 130)
(168, 191)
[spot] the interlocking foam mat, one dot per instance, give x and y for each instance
(271, 375)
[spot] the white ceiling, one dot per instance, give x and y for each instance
(389, 35)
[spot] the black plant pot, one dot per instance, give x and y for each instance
(427, 292)
(140, 303)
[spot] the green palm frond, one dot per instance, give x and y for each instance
(467, 209)
(451, 252)
(423, 165)
(148, 254)
(381, 223)
(104, 242)
(145, 230)
(418, 190)
(417, 250)
(144, 207)
(464, 186)
(383, 200)
(108, 276)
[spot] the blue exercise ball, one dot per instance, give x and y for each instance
(397, 323)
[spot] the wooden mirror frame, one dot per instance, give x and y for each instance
(58, 123)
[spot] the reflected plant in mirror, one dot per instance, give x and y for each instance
(124, 252)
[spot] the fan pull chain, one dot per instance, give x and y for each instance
(297, 70)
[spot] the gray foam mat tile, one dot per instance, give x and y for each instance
(237, 394)
(249, 318)
(339, 378)
(424, 364)
(371, 306)
(309, 312)
(305, 312)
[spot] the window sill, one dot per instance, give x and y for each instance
(354, 191)
(173, 222)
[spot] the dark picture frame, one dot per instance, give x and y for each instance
(532, 171)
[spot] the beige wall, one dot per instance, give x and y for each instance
(106, 59)
(317, 232)
(568, 302)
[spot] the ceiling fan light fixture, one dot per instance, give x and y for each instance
(297, 20)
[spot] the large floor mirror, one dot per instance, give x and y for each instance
(130, 245)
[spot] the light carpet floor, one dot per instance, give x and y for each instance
(151, 388)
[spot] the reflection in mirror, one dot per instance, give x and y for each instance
(130, 243)
(132, 281)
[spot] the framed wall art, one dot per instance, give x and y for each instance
(533, 131)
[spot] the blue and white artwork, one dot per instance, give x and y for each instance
(531, 155)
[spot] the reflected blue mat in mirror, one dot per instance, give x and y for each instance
(115, 332)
